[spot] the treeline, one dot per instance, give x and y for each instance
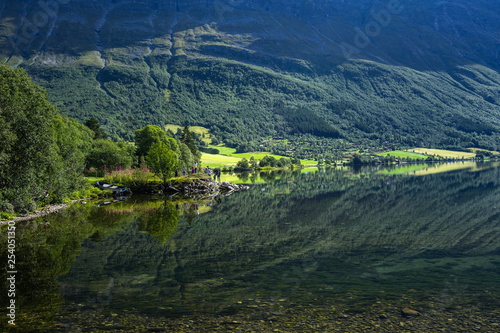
(266, 161)
(241, 104)
(43, 154)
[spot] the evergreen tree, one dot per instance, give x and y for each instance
(188, 139)
(94, 125)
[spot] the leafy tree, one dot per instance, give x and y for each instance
(148, 135)
(243, 164)
(94, 125)
(268, 161)
(110, 155)
(73, 143)
(253, 163)
(162, 160)
(34, 159)
(283, 162)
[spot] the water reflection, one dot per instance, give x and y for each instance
(329, 237)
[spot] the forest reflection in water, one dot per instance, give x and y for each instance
(334, 238)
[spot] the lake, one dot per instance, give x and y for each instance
(317, 251)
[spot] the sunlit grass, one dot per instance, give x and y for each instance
(402, 154)
(195, 129)
(443, 153)
(257, 155)
(218, 161)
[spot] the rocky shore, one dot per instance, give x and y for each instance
(51, 209)
(202, 188)
(279, 316)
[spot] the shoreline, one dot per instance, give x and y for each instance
(192, 189)
(50, 209)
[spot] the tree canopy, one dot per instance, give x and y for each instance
(29, 148)
(162, 160)
(148, 135)
(94, 125)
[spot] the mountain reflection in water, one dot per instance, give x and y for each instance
(331, 238)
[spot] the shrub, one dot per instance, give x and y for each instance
(6, 207)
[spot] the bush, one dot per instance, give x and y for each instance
(243, 165)
(214, 151)
(6, 207)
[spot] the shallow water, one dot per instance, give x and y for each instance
(321, 251)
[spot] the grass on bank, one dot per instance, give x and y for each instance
(402, 154)
(443, 153)
(231, 152)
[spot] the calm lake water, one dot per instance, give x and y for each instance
(319, 251)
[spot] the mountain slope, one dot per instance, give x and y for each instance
(421, 72)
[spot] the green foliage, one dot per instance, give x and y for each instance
(109, 155)
(42, 153)
(268, 161)
(242, 164)
(162, 222)
(241, 103)
(162, 160)
(210, 150)
(73, 143)
(186, 157)
(150, 134)
(304, 121)
(94, 125)
(188, 139)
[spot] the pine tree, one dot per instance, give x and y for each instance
(188, 139)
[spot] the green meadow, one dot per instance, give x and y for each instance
(403, 154)
(231, 152)
(444, 153)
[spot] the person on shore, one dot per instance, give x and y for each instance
(195, 167)
(218, 174)
(184, 171)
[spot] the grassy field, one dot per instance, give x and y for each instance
(218, 161)
(196, 129)
(257, 155)
(402, 154)
(443, 153)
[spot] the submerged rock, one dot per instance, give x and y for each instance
(409, 313)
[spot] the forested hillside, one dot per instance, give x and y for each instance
(417, 73)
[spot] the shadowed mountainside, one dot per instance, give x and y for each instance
(425, 72)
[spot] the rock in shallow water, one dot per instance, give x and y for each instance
(409, 312)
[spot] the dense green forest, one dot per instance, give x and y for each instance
(242, 104)
(44, 154)
(251, 71)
